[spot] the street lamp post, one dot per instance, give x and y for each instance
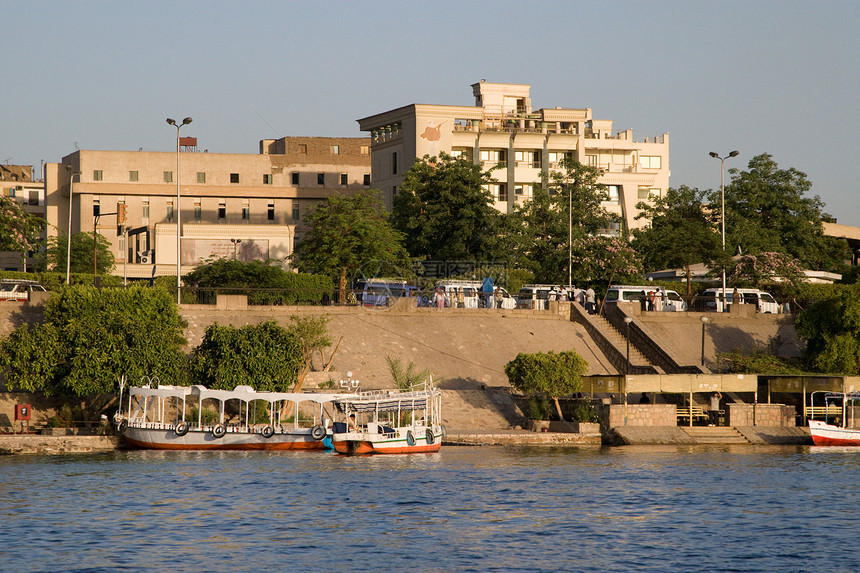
(723, 209)
(185, 121)
(704, 320)
(235, 246)
(72, 174)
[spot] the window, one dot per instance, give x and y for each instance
(647, 193)
(503, 192)
(201, 177)
(335, 149)
(343, 178)
(170, 211)
(320, 178)
(132, 175)
(650, 161)
(234, 178)
(556, 158)
(222, 210)
(96, 206)
(523, 190)
(98, 175)
(270, 213)
(493, 156)
(393, 190)
(528, 158)
(394, 163)
(365, 150)
(303, 148)
(33, 199)
(591, 160)
(198, 210)
(295, 210)
(498, 191)
(294, 177)
(461, 152)
(367, 179)
(168, 176)
(246, 210)
(613, 194)
(267, 178)
(144, 211)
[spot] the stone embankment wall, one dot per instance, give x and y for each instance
(778, 415)
(639, 415)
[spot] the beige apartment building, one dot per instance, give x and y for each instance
(502, 128)
(16, 181)
(242, 205)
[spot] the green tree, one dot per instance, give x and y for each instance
(768, 210)
(445, 212)
(19, 230)
(54, 255)
(91, 336)
(547, 374)
(312, 334)
(831, 328)
(281, 286)
(267, 357)
(767, 269)
(569, 207)
(680, 234)
(346, 233)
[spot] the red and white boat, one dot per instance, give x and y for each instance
(162, 417)
(390, 422)
(840, 419)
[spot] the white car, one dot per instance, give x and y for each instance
(18, 290)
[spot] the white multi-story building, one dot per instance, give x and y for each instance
(16, 181)
(243, 205)
(503, 128)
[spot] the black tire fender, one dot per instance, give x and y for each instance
(181, 428)
(268, 432)
(318, 433)
(219, 431)
(122, 426)
(410, 439)
(428, 435)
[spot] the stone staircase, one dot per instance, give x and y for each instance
(715, 435)
(613, 343)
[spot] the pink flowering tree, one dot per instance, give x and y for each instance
(766, 269)
(605, 259)
(19, 230)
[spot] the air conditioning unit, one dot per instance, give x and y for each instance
(144, 259)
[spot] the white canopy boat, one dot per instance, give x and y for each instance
(840, 419)
(389, 422)
(164, 417)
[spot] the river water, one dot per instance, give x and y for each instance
(716, 508)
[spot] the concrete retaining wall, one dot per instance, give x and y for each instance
(639, 415)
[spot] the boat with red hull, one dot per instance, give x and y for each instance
(390, 422)
(840, 423)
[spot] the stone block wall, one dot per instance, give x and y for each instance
(780, 415)
(639, 415)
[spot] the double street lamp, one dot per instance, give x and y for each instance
(172, 122)
(723, 209)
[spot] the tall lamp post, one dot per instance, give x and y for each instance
(627, 321)
(723, 208)
(72, 174)
(185, 121)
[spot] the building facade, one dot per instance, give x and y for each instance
(16, 181)
(502, 128)
(231, 205)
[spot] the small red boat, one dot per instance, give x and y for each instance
(839, 423)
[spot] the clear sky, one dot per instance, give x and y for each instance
(778, 77)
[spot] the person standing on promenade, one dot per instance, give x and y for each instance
(589, 300)
(714, 409)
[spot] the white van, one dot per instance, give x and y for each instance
(665, 300)
(536, 296)
(764, 302)
(473, 296)
(384, 292)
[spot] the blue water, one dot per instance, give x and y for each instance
(463, 509)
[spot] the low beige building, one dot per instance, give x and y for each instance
(503, 128)
(16, 181)
(242, 205)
